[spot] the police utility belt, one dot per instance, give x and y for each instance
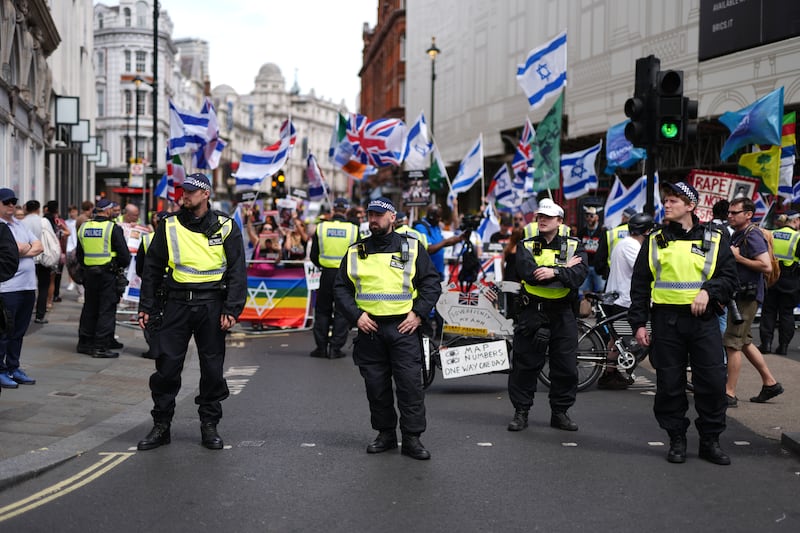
(195, 295)
(526, 301)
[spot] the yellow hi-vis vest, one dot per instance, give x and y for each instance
(548, 258)
(613, 236)
(784, 245)
(383, 281)
(421, 237)
(146, 239)
(193, 257)
(531, 230)
(95, 237)
(334, 237)
(680, 269)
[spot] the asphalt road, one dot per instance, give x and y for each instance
(295, 432)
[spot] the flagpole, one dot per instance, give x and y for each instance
(483, 184)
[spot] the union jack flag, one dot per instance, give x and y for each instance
(523, 156)
(379, 143)
(468, 298)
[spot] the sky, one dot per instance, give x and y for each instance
(319, 38)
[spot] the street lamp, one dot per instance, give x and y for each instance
(128, 142)
(432, 53)
(138, 81)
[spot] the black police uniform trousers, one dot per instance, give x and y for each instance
(182, 320)
(324, 314)
(680, 339)
(385, 355)
(98, 317)
(779, 303)
(528, 361)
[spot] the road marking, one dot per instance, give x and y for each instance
(235, 386)
(84, 477)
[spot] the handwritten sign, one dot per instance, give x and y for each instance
(715, 186)
(481, 358)
(313, 274)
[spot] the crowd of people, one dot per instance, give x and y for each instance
(383, 276)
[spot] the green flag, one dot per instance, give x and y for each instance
(547, 158)
(437, 175)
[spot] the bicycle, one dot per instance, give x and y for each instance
(594, 342)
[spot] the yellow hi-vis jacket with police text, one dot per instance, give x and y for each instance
(193, 257)
(532, 230)
(383, 281)
(613, 236)
(680, 269)
(95, 237)
(549, 258)
(784, 245)
(334, 237)
(421, 237)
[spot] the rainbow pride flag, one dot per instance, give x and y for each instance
(280, 300)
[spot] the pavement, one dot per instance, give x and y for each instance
(79, 403)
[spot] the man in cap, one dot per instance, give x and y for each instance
(593, 237)
(206, 285)
(552, 267)
(401, 226)
(688, 272)
(18, 247)
(387, 285)
(781, 299)
(328, 246)
(103, 251)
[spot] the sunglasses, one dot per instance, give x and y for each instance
(735, 212)
(11, 201)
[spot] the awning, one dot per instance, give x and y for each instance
(129, 191)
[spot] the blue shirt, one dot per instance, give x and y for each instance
(751, 244)
(434, 234)
(25, 278)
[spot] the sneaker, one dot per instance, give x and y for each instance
(767, 393)
(733, 401)
(613, 381)
(7, 382)
(81, 299)
(22, 378)
(71, 286)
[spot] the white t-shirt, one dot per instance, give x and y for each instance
(620, 273)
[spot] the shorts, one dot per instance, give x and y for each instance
(736, 337)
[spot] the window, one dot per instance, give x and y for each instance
(141, 14)
(127, 15)
(140, 100)
(141, 61)
(403, 47)
(101, 103)
(402, 91)
(127, 148)
(101, 61)
(128, 102)
(100, 21)
(127, 60)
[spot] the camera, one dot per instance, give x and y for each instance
(470, 223)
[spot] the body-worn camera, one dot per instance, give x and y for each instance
(470, 223)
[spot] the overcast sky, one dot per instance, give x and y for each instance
(319, 38)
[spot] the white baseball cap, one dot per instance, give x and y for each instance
(549, 208)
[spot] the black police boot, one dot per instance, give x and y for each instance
(520, 420)
(386, 440)
(710, 451)
(677, 448)
(562, 421)
(413, 448)
(210, 437)
(104, 353)
(158, 436)
(782, 349)
(765, 346)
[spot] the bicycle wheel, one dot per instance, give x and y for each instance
(591, 350)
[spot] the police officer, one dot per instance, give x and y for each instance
(203, 254)
(150, 333)
(688, 275)
(103, 251)
(552, 267)
(531, 229)
(401, 226)
(617, 233)
(781, 299)
(387, 285)
(328, 247)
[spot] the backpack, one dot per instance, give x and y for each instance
(51, 255)
(771, 278)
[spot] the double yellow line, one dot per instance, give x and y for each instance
(109, 461)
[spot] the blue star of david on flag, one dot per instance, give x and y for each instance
(544, 71)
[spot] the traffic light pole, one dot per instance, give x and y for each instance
(650, 169)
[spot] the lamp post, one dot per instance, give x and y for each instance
(432, 53)
(128, 142)
(138, 81)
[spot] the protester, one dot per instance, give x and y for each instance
(593, 237)
(62, 233)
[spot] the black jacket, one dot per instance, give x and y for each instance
(234, 281)
(9, 253)
(118, 245)
(572, 277)
(720, 287)
(426, 280)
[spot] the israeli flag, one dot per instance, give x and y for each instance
(469, 171)
(418, 147)
(579, 173)
(188, 131)
(620, 197)
(544, 71)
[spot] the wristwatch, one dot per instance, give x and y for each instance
(556, 271)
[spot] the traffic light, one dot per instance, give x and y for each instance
(670, 122)
(689, 114)
(641, 108)
(279, 185)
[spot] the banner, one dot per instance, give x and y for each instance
(715, 186)
(281, 300)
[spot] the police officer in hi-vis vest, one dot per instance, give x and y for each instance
(206, 285)
(102, 250)
(328, 247)
(689, 274)
(387, 285)
(552, 266)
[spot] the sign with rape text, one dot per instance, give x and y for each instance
(715, 186)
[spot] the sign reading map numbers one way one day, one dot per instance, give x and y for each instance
(481, 358)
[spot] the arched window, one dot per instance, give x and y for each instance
(141, 14)
(126, 13)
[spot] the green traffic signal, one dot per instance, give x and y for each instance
(669, 130)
